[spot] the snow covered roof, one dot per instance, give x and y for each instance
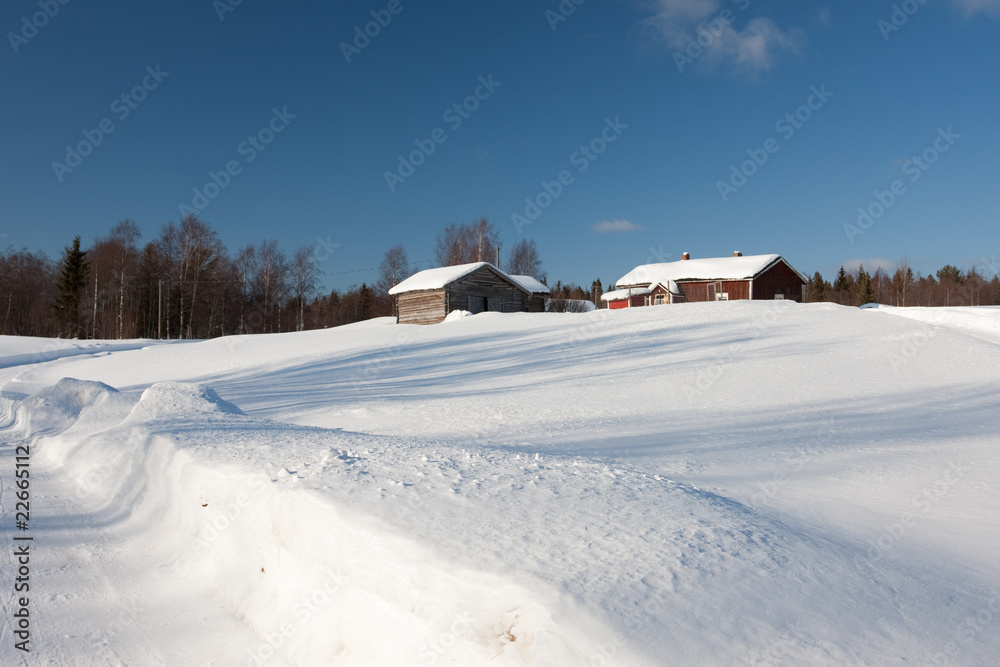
(530, 284)
(445, 275)
(716, 268)
(668, 285)
(622, 294)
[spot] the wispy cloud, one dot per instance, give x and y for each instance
(753, 49)
(871, 264)
(824, 17)
(615, 226)
(971, 7)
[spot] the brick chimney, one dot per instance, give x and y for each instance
(686, 255)
(737, 253)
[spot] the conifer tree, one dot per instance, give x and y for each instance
(842, 287)
(840, 284)
(817, 288)
(864, 286)
(366, 299)
(71, 285)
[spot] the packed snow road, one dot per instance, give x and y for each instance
(741, 483)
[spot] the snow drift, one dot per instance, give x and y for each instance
(768, 483)
(318, 583)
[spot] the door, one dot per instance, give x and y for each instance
(477, 304)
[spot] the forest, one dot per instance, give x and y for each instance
(948, 286)
(185, 284)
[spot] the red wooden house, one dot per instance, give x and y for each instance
(715, 279)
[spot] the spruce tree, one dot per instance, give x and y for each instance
(366, 299)
(817, 287)
(842, 286)
(71, 284)
(864, 287)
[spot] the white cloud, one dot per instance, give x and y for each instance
(871, 264)
(970, 7)
(755, 48)
(615, 226)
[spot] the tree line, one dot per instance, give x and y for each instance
(181, 284)
(948, 286)
(185, 284)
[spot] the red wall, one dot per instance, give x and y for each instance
(618, 305)
(699, 291)
(778, 279)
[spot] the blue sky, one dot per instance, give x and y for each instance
(664, 125)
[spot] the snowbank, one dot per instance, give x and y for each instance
(982, 320)
(456, 315)
(772, 483)
(318, 584)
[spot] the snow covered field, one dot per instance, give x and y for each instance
(697, 484)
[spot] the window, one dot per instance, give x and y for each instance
(722, 296)
(659, 299)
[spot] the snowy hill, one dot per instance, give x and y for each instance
(732, 483)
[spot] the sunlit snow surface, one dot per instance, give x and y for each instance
(718, 484)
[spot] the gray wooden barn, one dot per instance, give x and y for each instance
(428, 296)
(539, 292)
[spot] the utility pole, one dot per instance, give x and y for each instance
(159, 311)
(93, 324)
